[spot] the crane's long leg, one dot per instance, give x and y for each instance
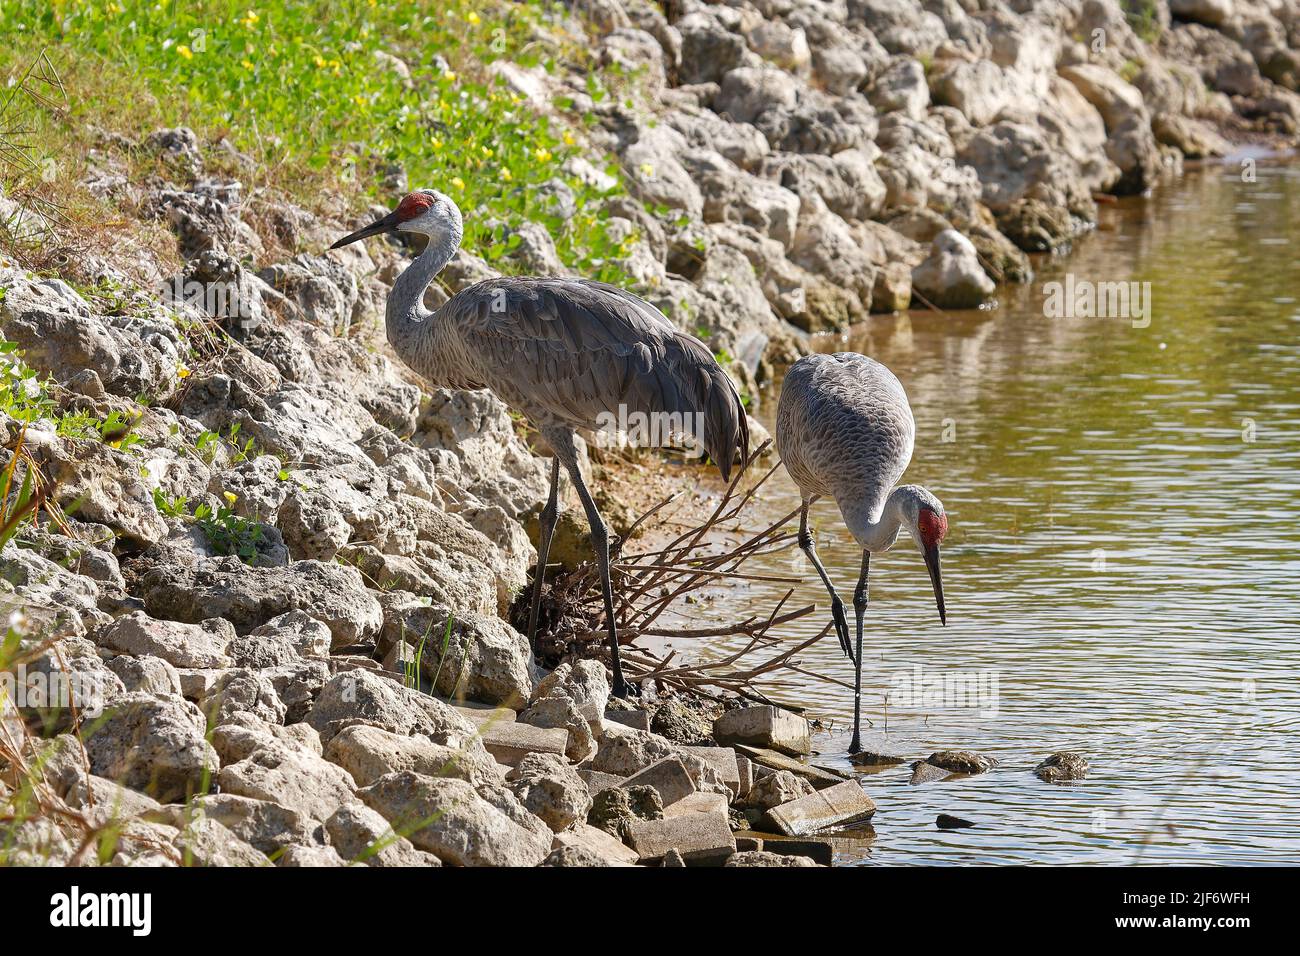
(860, 611)
(546, 530)
(562, 441)
(837, 606)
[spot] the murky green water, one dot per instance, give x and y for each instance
(1122, 556)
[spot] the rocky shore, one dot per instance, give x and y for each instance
(275, 570)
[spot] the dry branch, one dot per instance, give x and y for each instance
(653, 583)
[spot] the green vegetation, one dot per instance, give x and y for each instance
(28, 398)
(1141, 16)
(228, 533)
(311, 90)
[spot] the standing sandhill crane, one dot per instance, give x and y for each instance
(567, 353)
(844, 429)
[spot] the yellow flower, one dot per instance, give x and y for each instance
(247, 64)
(458, 182)
(112, 8)
(569, 139)
(184, 51)
(450, 75)
(486, 152)
(543, 155)
(230, 496)
(472, 18)
(505, 174)
(250, 19)
(320, 61)
(436, 143)
(359, 100)
(182, 372)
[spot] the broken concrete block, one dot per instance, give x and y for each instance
(744, 767)
(923, 772)
(482, 715)
(764, 726)
(597, 781)
(698, 803)
(636, 719)
(820, 776)
(838, 804)
(668, 777)
(723, 760)
(820, 851)
(695, 835)
(597, 841)
(509, 742)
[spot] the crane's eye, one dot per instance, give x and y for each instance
(932, 525)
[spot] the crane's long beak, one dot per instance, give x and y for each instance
(936, 578)
(386, 224)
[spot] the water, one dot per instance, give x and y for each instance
(1122, 555)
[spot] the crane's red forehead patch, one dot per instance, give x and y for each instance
(412, 205)
(932, 525)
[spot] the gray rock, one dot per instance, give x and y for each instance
(362, 697)
(776, 788)
(561, 712)
(1062, 767)
(368, 753)
(486, 659)
(573, 856)
(550, 789)
(360, 835)
(449, 819)
(309, 636)
(251, 597)
(204, 645)
(951, 277)
(292, 777)
(154, 745)
(264, 825)
(614, 809)
(962, 761)
(764, 858)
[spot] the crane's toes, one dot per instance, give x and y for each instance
(842, 631)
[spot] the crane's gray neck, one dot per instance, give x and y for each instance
(876, 528)
(406, 317)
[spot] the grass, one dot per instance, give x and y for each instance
(307, 89)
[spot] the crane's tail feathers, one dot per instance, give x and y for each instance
(726, 426)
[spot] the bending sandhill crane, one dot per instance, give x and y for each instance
(844, 429)
(567, 353)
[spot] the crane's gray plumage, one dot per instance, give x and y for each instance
(844, 428)
(567, 353)
(564, 351)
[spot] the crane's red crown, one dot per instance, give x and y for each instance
(412, 205)
(932, 525)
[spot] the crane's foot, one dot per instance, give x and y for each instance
(855, 745)
(842, 628)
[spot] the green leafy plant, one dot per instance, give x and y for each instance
(228, 532)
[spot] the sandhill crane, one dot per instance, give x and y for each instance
(844, 429)
(567, 353)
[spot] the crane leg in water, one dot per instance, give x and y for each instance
(546, 530)
(859, 611)
(566, 453)
(837, 606)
